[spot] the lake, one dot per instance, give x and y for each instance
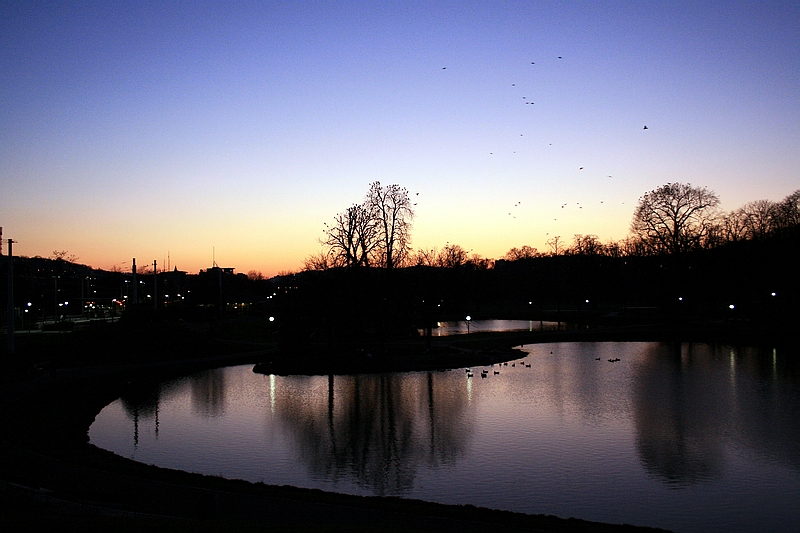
(689, 437)
(460, 327)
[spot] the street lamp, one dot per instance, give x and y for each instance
(468, 319)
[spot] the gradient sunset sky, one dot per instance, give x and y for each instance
(142, 129)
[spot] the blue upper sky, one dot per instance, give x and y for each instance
(145, 128)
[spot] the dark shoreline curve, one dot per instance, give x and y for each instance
(51, 478)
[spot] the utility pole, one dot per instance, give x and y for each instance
(10, 309)
(135, 283)
(155, 286)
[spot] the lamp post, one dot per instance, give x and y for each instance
(468, 320)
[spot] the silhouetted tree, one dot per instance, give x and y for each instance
(586, 245)
(255, 275)
(424, 257)
(787, 212)
(555, 245)
(376, 232)
(390, 208)
(478, 262)
(354, 235)
(733, 226)
(322, 261)
(452, 256)
(525, 252)
(754, 220)
(675, 217)
(64, 256)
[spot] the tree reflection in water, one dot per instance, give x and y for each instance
(376, 429)
(677, 412)
(693, 400)
(207, 398)
(712, 428)
(208, 393)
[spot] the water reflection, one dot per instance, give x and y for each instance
(667, 433)
(208, 392)
(141, 402)
(679, 410)
(459, 327)
(693, 400)
(376, 429)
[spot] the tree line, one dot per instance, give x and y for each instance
(671, 219)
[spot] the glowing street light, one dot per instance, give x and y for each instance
(468, 319)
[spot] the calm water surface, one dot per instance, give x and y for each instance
(685, 437)
(458, 327)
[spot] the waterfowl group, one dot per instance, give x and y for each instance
(485, 372)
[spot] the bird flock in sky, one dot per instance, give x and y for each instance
(530, 102)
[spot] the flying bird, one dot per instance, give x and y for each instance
(559, 57)
(580, 168)
(645, 127)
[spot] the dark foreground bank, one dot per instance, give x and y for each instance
(52, 479)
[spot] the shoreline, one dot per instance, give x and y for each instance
(50, 471)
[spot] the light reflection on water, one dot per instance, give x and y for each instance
(459, 327)
(685, 437)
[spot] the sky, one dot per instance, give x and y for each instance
(194, 132)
